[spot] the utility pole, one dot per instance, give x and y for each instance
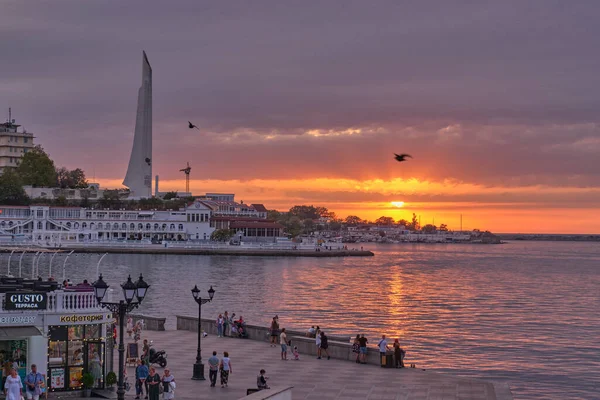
(187, 171)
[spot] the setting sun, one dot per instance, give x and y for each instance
(398, 204)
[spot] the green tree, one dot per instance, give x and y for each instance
(60, 201)
(384, 221)
(11, 189)
(352, 220)
(293, 226)
(274, 215)
(221, 235)
(305, 212)
(110, 199)
(37, 169)
(335, 226)
(414, 224)
(170, 195)
(309, 226)
(77, 179)
(403, 222)
(429, 228)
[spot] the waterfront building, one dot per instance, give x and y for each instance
(53, 225)
(139, 172)
(62, 331)
(14, 144)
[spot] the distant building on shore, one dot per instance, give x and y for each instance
(13, 144)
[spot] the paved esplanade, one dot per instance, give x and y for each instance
(311, 378)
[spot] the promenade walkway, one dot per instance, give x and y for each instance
(312, 379)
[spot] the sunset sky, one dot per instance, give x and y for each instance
(306, 102)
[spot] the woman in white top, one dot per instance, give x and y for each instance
(168, 382)
(318, 341)
(225, 368)
(13, 388)
(129, 326)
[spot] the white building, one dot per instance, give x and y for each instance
(52, 225)
(62, 332)
(13, 144)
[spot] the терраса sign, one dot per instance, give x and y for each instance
(25, 301)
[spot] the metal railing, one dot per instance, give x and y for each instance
(60, 300)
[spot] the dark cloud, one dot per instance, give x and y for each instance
(513, 86)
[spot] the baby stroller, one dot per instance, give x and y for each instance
(239, 330)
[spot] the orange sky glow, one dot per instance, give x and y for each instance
(439, 202)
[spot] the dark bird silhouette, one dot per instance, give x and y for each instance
(192, 126)
(148, 161)
(401, 157)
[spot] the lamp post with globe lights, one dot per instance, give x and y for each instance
(130, 291)
(198, 366)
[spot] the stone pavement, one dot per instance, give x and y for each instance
(312, 379)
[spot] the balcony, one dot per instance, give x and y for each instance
(65, 301)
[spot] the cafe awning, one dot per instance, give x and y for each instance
(18, 331)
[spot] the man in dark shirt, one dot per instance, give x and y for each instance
(363, 349)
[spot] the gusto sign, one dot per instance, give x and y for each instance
(25, 301)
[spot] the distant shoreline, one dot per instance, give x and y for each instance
(549, 237)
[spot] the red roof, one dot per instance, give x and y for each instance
(259, 207)
(254, 224)
(225, 218)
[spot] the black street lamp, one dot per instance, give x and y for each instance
(198, 366)
(130, 290)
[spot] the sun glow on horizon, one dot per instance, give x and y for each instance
(398, 204)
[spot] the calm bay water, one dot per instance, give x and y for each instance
(525, 313)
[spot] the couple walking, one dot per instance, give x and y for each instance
(215, 365)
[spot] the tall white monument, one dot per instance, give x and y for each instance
(139, 173)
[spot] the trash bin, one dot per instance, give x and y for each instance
(387, 359)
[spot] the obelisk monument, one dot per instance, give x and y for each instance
(139, 173)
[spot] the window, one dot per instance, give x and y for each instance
(164, 227)
(92, 225)
(172, 227)
(155, 227)
(115, 226)
(180, 227)
(148, 227)
(100, 225)
(76, 225)
(25, 140)
(132, 227)
(123, 226)
(69, 225)
(140, 226)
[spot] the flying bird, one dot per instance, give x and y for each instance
(192, 126)
(401, 157)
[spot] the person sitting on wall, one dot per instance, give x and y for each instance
(261, 380)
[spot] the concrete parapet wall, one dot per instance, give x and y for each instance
(150, 323)
(255, 332)
(274, 393)
(338, 350)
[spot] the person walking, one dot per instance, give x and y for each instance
(153, 382)
(129, 326)
(324, 344)
(226, 369)
(283, 341)
(274, 332)
(356, 348)
(363, 349)
(33, 384)
(213, 368)
(220, 323)
(168, 382)
(141, 374)
(398, 354)
(13, 388)
(146, 352)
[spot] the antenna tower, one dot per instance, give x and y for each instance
(187, 171)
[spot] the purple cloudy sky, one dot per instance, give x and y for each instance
(490, 93)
